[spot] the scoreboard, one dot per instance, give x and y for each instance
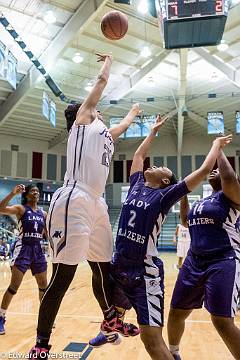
(194, 8)
(190, 23)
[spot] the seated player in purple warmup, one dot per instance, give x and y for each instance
(3, 249)
(211, 271)
(136, 268)
(27, 253)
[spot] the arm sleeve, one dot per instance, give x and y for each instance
(172, 195)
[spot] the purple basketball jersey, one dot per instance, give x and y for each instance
(237, 226)
(31, 225)
(142, 215)
(212, 225)
(27, 253)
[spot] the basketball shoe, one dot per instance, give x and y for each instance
(112, 323)
(110, 327)
(2, 322)
(101, 339)
(39, 353)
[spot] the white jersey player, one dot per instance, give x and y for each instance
(78, 223)
(182, 240)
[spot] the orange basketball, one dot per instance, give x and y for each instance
(114, 25)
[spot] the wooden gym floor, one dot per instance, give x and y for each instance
(79, 319)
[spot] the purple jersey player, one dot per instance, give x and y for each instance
(238, 226)
(27, 253)
(136, 268)
(211, 271)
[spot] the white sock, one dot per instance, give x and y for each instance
(2, 312)
(174, 349)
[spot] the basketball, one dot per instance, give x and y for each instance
(114, 25)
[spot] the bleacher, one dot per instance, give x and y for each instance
(7, 237)
(114, 214)
(7, 222)
(165, 241)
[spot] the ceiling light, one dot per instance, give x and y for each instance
(89, 86)
(150, 81)
(49, 17)
(146, 52)
(214, 77)
(77, 58)
(223, 46)
(143, 7)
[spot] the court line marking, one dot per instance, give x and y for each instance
(21, 287)
(100, 317)
(23, 343)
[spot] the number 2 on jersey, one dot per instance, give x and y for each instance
(131, 222)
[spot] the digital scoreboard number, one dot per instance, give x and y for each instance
(194, 8)
(191, 23)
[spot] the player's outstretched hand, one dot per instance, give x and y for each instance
(102, 57)
(19, 189)
(223, 140)
(136, 109)
(158, 123)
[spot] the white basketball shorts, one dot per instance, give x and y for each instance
(182, 248)
(78, 226)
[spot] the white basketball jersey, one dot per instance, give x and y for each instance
(89, 152)
(183, 233)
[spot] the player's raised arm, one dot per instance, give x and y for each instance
(17, 210)
(86, 112)
(199, 175)
(229, 180)
(175, 237)
(141, 152)
(184, 209)
(126, 122)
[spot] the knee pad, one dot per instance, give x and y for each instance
(11, 290)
